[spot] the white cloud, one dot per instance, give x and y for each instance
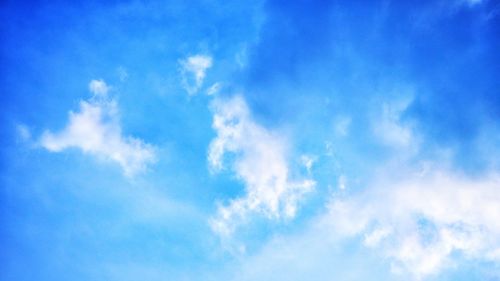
(193, 70)
(308, 161)
(415, 226)
(98, 87)
(259, 162)
(95, 129)
(419, 222)
(214, 89)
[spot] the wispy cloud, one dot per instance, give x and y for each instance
(214, 89)
(415, 227)
(420, 221)
(193, 70)
(308, 161)
(95, 129)
(389, 128)
(99, 87)
(260, 162)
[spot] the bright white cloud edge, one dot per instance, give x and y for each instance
(193, 71)
(419, 222)
(95, 129)
(418, 225)
(260, 162)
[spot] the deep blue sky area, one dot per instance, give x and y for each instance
(250, 140)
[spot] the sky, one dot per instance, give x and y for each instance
(250, 140)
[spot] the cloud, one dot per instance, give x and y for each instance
(421, 221)
(193, 70)
(259, 161)
(214, 89)
(98, 87)
(307, 161)
(410, 228)
(95, 129)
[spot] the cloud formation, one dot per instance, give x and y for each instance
(193, 70)
(260, 162)
(414, 227)
(95, 129)
(421, 221)
(98, 87)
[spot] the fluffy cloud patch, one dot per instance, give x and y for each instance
(98, 87)
(307, 161)
(417, 226)
(259, 161)
(421, 221)
(95, 129)
(193, 70)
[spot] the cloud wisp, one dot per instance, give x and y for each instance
(95, 129)
(260, 162)
(193, 71)
(421, 221)
(415, 227)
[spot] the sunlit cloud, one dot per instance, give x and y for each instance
(420, 221)
(193, 70)
(260, 162)
(95, 129)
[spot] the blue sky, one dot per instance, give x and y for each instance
(250, 140)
